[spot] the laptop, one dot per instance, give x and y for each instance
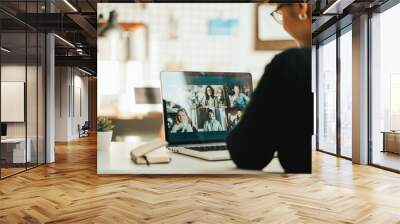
(200, 108)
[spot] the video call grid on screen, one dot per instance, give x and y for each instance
(203, 106)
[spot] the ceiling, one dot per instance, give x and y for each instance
(332, 15)
(74, 22)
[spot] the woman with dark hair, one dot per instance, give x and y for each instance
(209, 99)
(279, 116)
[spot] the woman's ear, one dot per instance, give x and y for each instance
(303, 11)
(305, 8)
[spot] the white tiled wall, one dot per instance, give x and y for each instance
(194, 49)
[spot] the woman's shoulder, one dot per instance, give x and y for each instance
(290, 64)
(291, 59)
(293, 53)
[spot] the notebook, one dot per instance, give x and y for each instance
(157, 156)
(151, 153)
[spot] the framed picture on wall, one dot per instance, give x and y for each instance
(270, 35)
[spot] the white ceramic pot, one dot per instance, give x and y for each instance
(104, 140)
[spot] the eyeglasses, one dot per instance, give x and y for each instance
(276, 14)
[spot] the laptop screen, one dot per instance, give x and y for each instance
(203, 106)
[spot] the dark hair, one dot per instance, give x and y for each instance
(233, 89)
(212, 92)
(278, 5)
(290, 3)
(210, 111)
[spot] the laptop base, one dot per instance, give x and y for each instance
(220, 155)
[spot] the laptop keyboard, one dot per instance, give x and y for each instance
(208, 148)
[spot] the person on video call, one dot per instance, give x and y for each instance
(279, 116)
(210, 100)
(195, 97)
(237, 119)
(238, 99)
(220, 97)
(233, 120)
(182, 122)
(212, 124)
(230, 121)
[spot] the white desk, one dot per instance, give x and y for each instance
(19, 149)
(117, 160)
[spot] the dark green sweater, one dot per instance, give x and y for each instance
(279, 117)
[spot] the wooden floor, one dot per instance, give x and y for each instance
(8, 171)
(70, 191)
(386, 159)
(5, 172)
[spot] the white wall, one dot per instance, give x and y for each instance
(314, 90)
(78, 117)
(62, 82)
(192, 50)
(67, 80)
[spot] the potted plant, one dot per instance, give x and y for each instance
(104, 133)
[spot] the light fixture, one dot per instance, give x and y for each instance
(84, 71)
(80, 51)
(64, 40)
(337, 7)
(5, 50)
(70, 5)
